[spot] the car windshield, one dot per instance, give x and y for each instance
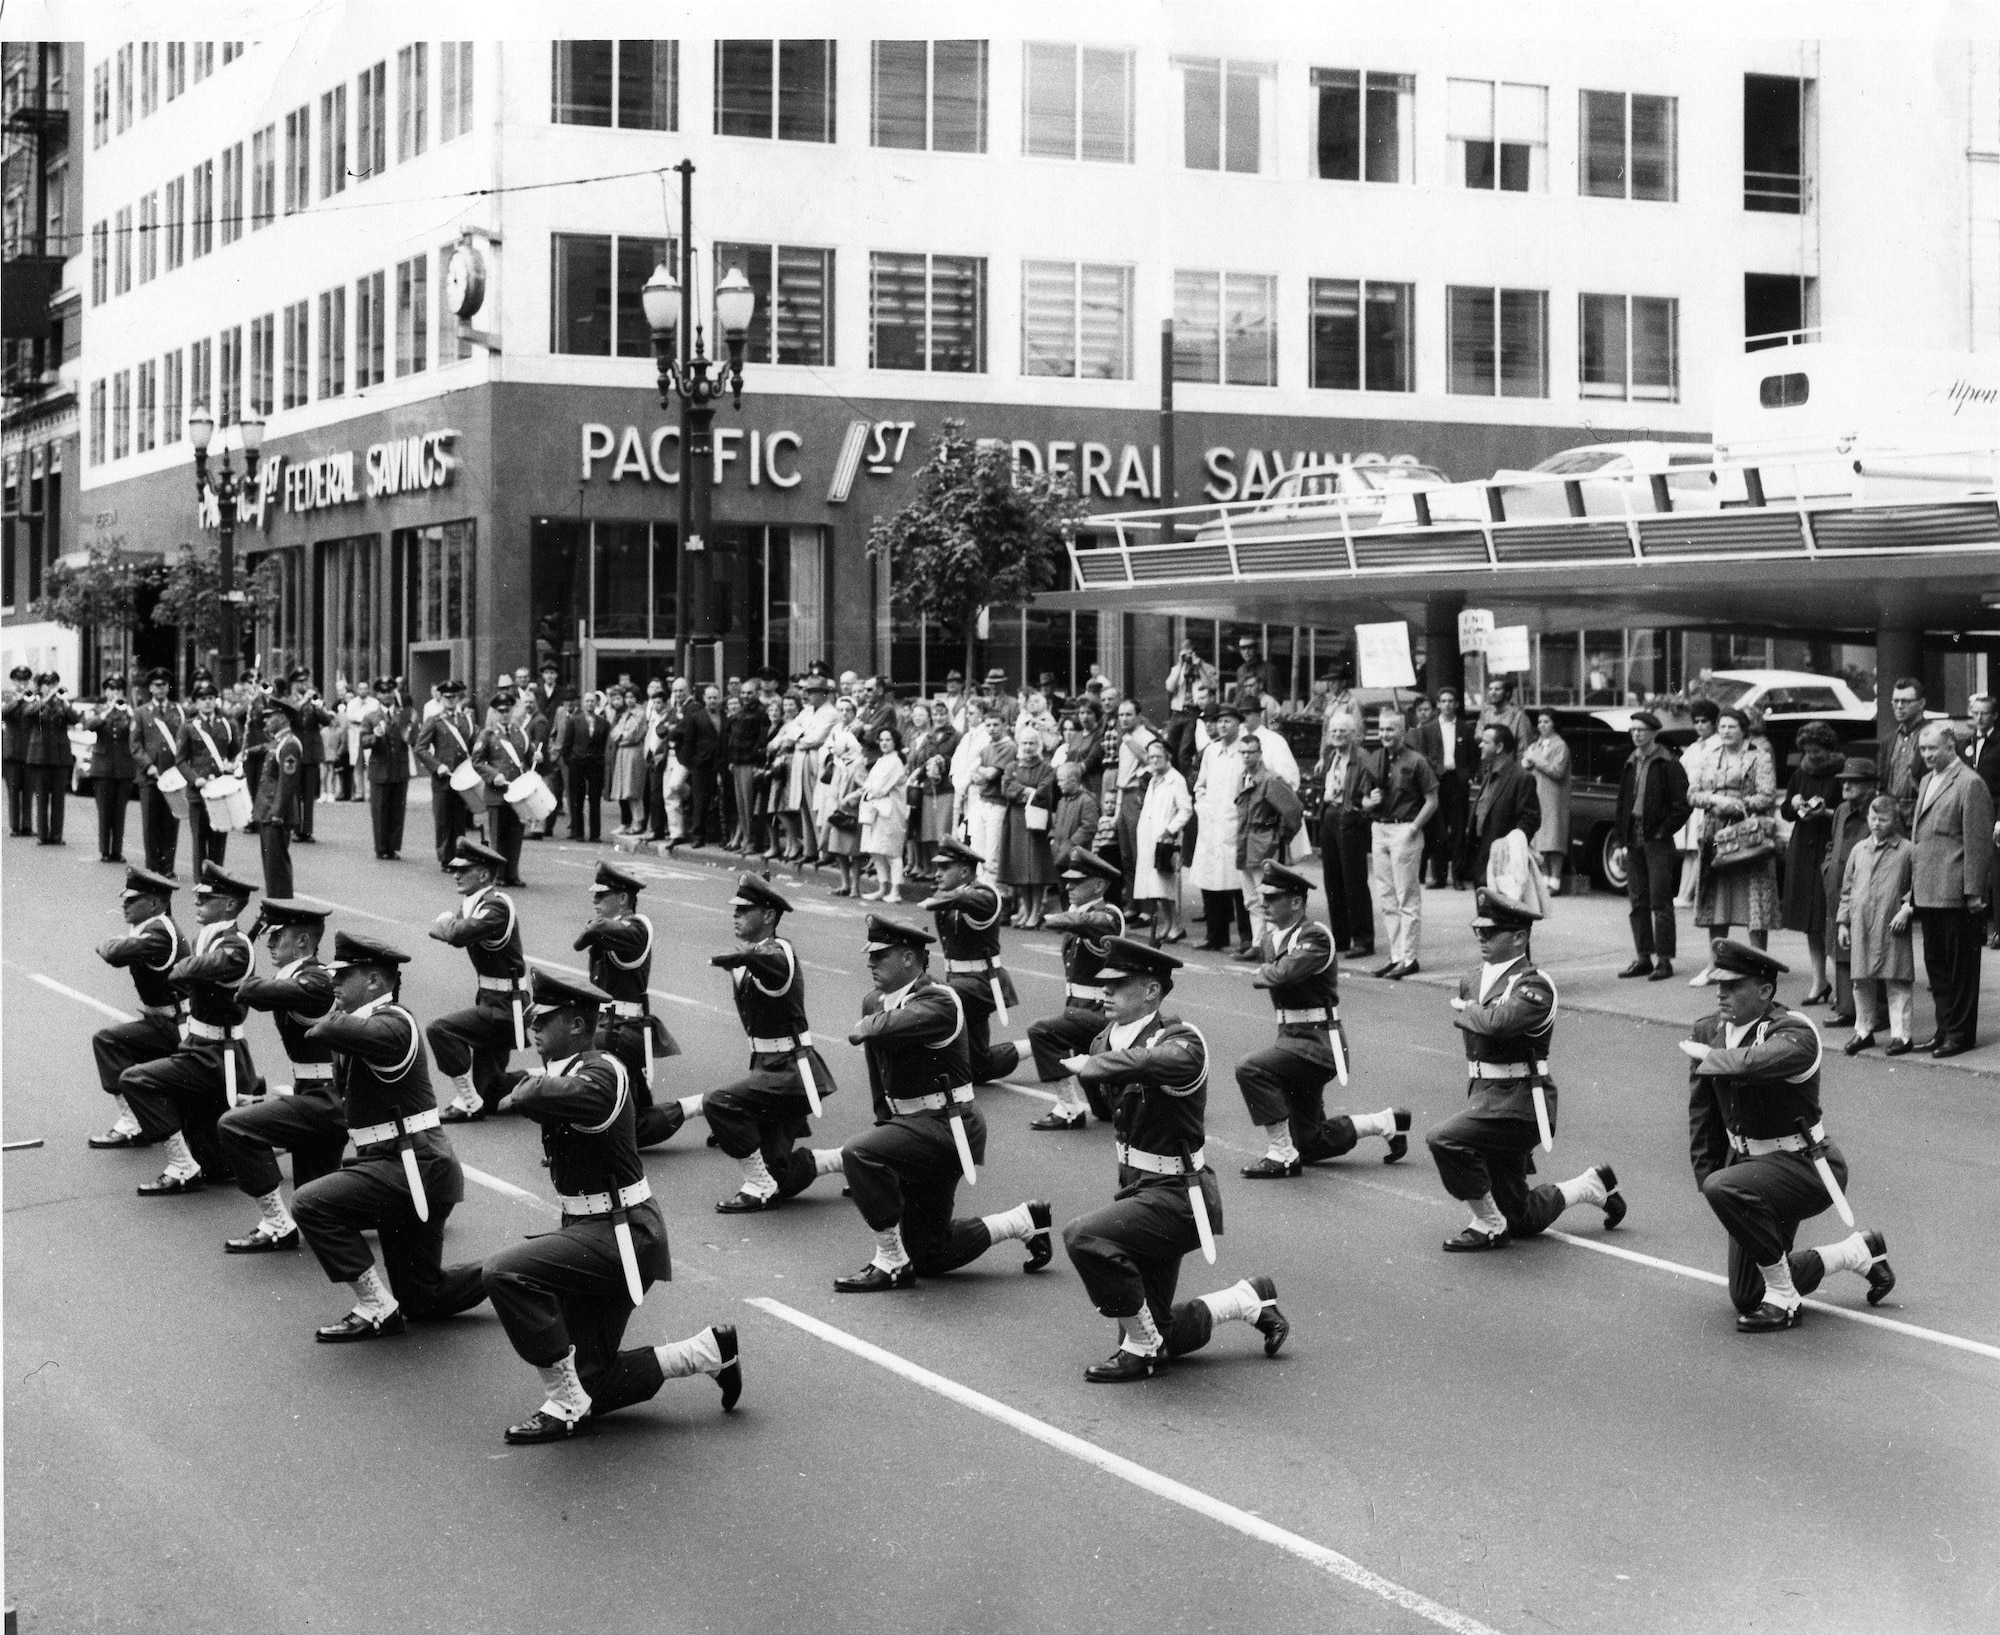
(1576, 462)
(1725, 692)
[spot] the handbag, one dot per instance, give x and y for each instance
(1745, 841)
(1037, 818)
(1166, 856)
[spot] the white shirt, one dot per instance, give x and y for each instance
(1490, 975)
(1448, 736)
(897, 1000)
(1336, 774)
(1733, 1035)
(1123, 1033)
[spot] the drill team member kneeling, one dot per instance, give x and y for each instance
(620, 944)
(1761, 1156)
(309, 1122)
(1285, 1086)
(472, 1046)
(967, 914)
(1085, 925)
(565, 1297)
(153, 947)
(1148, 1075)
(1507, 1012)
(904, 1173)
(403, 1179)
(757, 1118)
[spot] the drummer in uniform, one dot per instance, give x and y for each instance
(756, 1119)
(472, 1045)
(403, 1180)
(152, 946)
(209, 748)
(308, 1122)
(1758, 1144)
(502, 753)
(1090, 918)
(1506, 1009)
(179, 1098)
(967, 914)
(1284, 1086)
(619, 942)
(564, 1297)
(278, 800)
(443, 743)
(156, 733)
(904, 1172)
(1147, 1074)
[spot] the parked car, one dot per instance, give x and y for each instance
(1309, 499)
(1789, 699)
(1607, 476)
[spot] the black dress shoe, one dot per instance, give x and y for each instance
(1859, 1043)
(356, 1327)
(1472, 1241)
(1270, 1322)
(261, 1242)
(1399, 1143)
(1409, 967)
(730, 1375)
(1768, 1319)
(1041, 1248)
(1641, 966)
(1123, 1365)
(1841, 1019)
(168, 1186)
(871, 1279)
(1898, 1047)
(1056, 1121)
(1269, 1169)
(1949, 1047)
(454, 1114)
(1931, 1043)
(118, 1138)
(1662, 972)
(746, 1203)
(540, 1426)
(1386, 970)
(1614, 1200)
(1880, 1278)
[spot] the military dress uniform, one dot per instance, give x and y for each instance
(280, 800)
(968, 934)
(1149, 1079)
(310, 1123)
(50, 758)
(565, 1297)
(208, 746)
(1284, 1085)
(620, 953)
(1052, 1039)
(386, 741)
(149, 950)
(472, 1045)
(14, 747)
(156, 732)
(384, 1085)
(112, 769)
(762, 1115)
(502, 753)
(1754, 1129)
(186, 1093)
(442, 743)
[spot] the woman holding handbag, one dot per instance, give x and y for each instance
(1739, 850)
(1163, 819)
(1028, 789)
(885, 818)
(838, 798)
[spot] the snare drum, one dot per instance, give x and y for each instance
(228, 801)
(173, 784)
(532, 799)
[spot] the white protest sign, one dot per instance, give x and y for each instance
(1475, 625)
(1385, 654)
(1507, 650)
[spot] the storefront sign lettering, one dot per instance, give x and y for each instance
(424, 461)
(767, 458)
(1260, 471)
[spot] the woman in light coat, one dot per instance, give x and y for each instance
(783, 802)
(1024, 864)
(840, 796)
(628, 766)
(1873, 925)
(1212, 870)
(1739, 784)
(885, 818)
(1547, 756)
(1163, 815)
(1695, 760)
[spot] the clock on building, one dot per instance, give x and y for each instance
(465, 281)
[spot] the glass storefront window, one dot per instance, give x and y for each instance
(350, 602)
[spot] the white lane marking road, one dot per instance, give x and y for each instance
(658, 993)
(1147, 1480)
(507, 1189)
(97, 1005)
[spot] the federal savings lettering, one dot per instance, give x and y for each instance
(401, 466)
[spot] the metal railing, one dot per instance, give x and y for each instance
(1781, 192)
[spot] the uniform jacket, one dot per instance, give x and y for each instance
(968, 928)
(585, 1109)
(387, 738)
(489, 931)
(621, 963)
(443, 741)
(194, 750)
(1661, 808)
(48, 721)
(1155, 1092)
(278, 782)
(502, 753)
(1512, 1027)
(213, 972)
(156, 734)
(1301, 972)
(295, 996)
(1084, 932)
(111, 755)
(1953, 835)
(314, 718)
(150, 951)
(769, 987)
(915, 1046)
(1760, 1090)
(381, 1073)
(14, 715)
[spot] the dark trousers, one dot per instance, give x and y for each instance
(567, 1288)
(507, 835)
(206, 842)
(310, 1125)
(343, 778)
(1129, 1253)
(1953, 939)
(1445, 852)
(477, 1040)
(309, 787)
(1070, 1034)
(701, 805)
(113, 794)
(655, 822)
(766, 1111)
(274, 841)
(1127, 829)
(630, 1039)
(1286, 1083)
(1760, 1202)
(1345, 839)
(373, 1194)
(906, 1173)
(127, 1044)
(388, 806)
(449, 818)
(51, 787)
(1479, 1152)
(184, 1092)
(160, 826)
(1221, 909)
(1652, 872)
(20, 815)
(990, 1062)
(586, 790)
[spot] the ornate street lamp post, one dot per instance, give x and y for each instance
(224, 484)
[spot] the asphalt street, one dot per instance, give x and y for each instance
(1549, 1438)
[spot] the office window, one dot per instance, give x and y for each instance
(928, 94)
(632, 84)
(177, 69)
(121, 251)
(454, 89)
(176, 223)
(781, 88)
(203, 177)
(232, 193)
(100, 106)
(100, 263)
(333, 342)
(371, 121)
(1366, 125)
(231, 50)
(204, 59)
(1628, 347)
(1076, 102)
(170, 398)
(592, 312)
(1499, 135)
(1497, 339)
(649, 92)
(585, 82)
(1629, 145)
(124, 87)
(370, 332)
(1227, 110)
(1226, 328)
(298, 364)
(413, 113)
(149, 238)
(794, 320)
(927, 312)
(264, 178)
(142, 430)
(1076, 321)
(1363, 336)
(149, 78)
(97, 417)
(229, 377)
(298, 159)
(1774, 108)
(333, 141)
(56, 193)
(121, 414)
(201, 374)
(263, 364)
(412, 308)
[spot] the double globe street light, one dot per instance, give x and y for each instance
(225, 485)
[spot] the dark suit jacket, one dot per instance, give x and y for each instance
(1984, 758)
(1661, 807)
(1508, 801)
(584, 734)
(697, 739)
(387, 739)
(1429, 742)
(1363, 774)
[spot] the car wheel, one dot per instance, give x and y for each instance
(1610, 861)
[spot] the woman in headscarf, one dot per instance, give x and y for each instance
(1028, 788)
(838, 800)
